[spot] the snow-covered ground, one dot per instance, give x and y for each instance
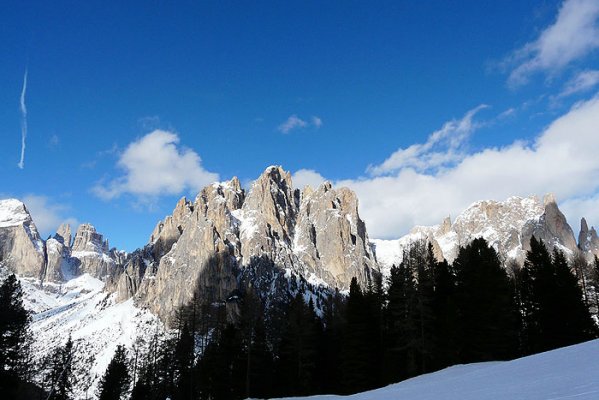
(569, 373)
(95, 321)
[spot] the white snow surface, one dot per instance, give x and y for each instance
(95, 321)
(567, 373)
(12, 213)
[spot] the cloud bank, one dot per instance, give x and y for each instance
(562, 159)
(156, 165)
(442, 147)
(573, 35)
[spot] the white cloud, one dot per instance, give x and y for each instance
(47, 215)
(295, 122)
(441, 148)
(573, 35)
(563, 160)
(304, 177)
(155, 165)
(583, 81)
(316, 121)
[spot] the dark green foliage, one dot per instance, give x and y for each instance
(114, 385)
(297, 366)
(554, 313)
(59, 380)
(15, 338)
(485, 306)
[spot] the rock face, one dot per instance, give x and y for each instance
(316, 234)
(552, 227)
(21, 248)
(167, 232)
(588, 241)
(330, 238)
(507, 226)
(91, 253)
(58, 266)
(201, 255)
(63, 235)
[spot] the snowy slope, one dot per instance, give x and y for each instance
(567, 373)
(96, 322)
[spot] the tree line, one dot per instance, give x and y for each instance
(427, 315)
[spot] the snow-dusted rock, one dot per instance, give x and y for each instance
(507, 226)
(330, 239)
(21, 248)
(91, 253)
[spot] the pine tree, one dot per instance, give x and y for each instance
(554, 313)
(484, 299)
(446, 336)
(402, 328)
(114, 385)
(184, 360)
(355, 352)
(15, 338)
(59, 378)
(297, 366)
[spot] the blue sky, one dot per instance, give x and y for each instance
(421, 107)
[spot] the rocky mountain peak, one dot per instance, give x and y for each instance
(549, 199)
(167, 232)
(587, 239)
(88, 240)
(90, 253)
(63, 234)
(21, 248)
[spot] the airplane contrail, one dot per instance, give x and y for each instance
(23, 121)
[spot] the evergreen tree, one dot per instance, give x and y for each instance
(355, 352)
(114, 385)
(402, 329)
(484, 300)
(554, 313)
(259, 361)
(334, 323)
(15, 338)
(297, 364)
(445, 314)
(59, 378)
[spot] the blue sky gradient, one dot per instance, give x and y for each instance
(225, 76)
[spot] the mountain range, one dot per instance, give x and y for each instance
(282, 239)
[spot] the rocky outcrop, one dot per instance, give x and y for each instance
(168, 231)
(551, 227)
(588, 241)
(21, 248)
(91, 253)
(316, 234)
(204, 252)
(63, 234)
(330, 239)
(58, 264)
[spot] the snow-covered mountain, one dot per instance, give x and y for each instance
(280, 239)
(507, 225)
(566, 373)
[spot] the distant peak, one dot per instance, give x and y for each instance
(548, 199)
(584, 227)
